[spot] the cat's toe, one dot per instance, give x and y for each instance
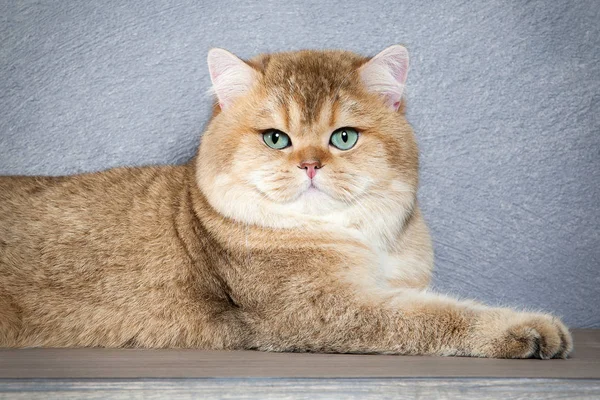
(529, 335)
(532, 339)
(566, 339)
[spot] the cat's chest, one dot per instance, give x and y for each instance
(378, 231)
(381, 235)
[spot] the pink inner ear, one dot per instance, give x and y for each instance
(386, 74)
(395, 59)
(219, 61)
(231, 77)
(399, 69)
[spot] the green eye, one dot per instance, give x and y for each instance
(344, 138)
(276, 139)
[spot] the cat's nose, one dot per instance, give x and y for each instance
(311, 167)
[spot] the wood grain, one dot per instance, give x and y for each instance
(135, 363)
(481, 389)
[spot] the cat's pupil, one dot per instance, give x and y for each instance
(344, 136)
(275, 138)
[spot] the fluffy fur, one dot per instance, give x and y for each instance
(239, 249)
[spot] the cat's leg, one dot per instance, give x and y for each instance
(336, 319)
(10, 322)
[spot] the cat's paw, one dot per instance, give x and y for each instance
(511, 334)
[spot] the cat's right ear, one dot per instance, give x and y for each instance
(231, 77)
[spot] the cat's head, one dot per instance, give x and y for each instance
(308, 134)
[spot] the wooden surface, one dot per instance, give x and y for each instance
(135, 363)
(289, 388)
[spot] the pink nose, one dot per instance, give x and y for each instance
(311, 167)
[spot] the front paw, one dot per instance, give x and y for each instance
(511, 334)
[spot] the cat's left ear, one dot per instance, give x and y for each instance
(385, 74)
(231, 77)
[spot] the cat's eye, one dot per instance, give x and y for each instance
(344, 138)
(276, 139)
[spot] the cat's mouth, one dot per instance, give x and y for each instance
(328, 190)
(309, 189)
(312, 188)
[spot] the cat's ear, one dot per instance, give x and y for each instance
(385, 74)
(231, 77)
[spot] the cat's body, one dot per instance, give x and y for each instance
(238, 248)
(153, 265)
(101, 259)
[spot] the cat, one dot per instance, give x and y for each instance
(295, 227)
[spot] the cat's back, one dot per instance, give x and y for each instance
(24, 195)
(26, 199)
(44, 215)
(101, 259)
(27, 204)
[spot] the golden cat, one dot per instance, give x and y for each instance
(295, 228)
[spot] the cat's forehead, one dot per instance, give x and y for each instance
(309, 83)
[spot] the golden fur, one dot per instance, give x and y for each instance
(233, 251)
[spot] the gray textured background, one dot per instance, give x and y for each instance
(504, 97)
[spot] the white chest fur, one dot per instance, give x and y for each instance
(377, 221)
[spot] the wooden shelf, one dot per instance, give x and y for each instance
(56, 373)
(136, 363)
